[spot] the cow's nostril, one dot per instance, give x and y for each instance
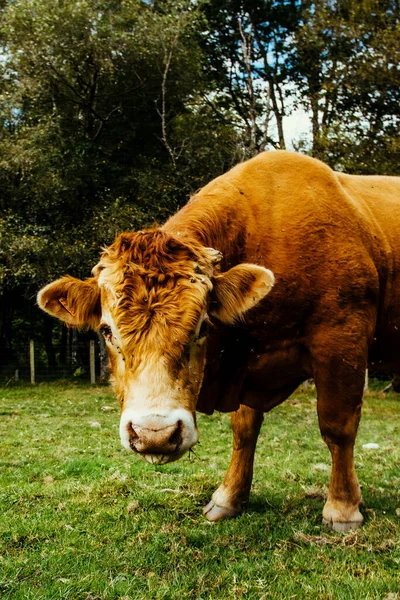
(133, 436)
(176, 437)
(131, 431)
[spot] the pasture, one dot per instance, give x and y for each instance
(81, 519)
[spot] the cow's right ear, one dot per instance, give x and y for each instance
(72, 300)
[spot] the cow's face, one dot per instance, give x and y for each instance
(151, 297)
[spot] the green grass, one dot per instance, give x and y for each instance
(82, 519)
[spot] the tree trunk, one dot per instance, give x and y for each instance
(278, 115)
(316, 130)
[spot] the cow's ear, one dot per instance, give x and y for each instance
(72, 300)
(238, 290)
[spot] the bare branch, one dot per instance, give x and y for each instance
(164, 138)
(215, 110)
(87, 103)
(272, 84)
(239, 108)
(246, 45)
(168, 53)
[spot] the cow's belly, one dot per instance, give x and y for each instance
(277, 365)
(274, 373)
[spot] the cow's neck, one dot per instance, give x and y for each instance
(217, 217)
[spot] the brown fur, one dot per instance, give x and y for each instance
(331, 241)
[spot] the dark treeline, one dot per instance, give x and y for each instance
(113, 113)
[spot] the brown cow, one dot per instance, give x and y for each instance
(332, 242)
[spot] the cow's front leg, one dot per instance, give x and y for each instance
(228, 499)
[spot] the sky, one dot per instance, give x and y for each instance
(297, 125)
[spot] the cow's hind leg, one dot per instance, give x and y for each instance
(228, 499)
(339, 385)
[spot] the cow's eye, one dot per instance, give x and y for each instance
(106, 332)
(203, 329)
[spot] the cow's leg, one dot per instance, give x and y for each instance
(339, 382)
(227, 500)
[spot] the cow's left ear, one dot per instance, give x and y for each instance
(72, 300)
(238, 290)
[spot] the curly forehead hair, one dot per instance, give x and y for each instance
(156, 252)
(160, 284)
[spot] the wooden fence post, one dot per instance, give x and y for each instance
(92, 363)
(32, 360)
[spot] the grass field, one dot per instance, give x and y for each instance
(82, 519)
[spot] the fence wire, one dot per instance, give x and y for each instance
(29, 361)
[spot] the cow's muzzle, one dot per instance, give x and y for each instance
(159, 438)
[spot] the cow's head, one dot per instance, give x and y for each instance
(150, 296)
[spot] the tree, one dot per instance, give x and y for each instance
(99, 100)
(344, 64)
(113, 113)
(247, 46)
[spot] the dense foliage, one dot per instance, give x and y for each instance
(112, 113)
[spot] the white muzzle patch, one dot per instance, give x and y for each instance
(135, 424)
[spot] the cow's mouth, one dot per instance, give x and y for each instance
(162, 459)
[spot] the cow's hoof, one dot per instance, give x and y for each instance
(345, 526)
(213, 512)
(341, 516)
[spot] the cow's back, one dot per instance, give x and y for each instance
(330, 240)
